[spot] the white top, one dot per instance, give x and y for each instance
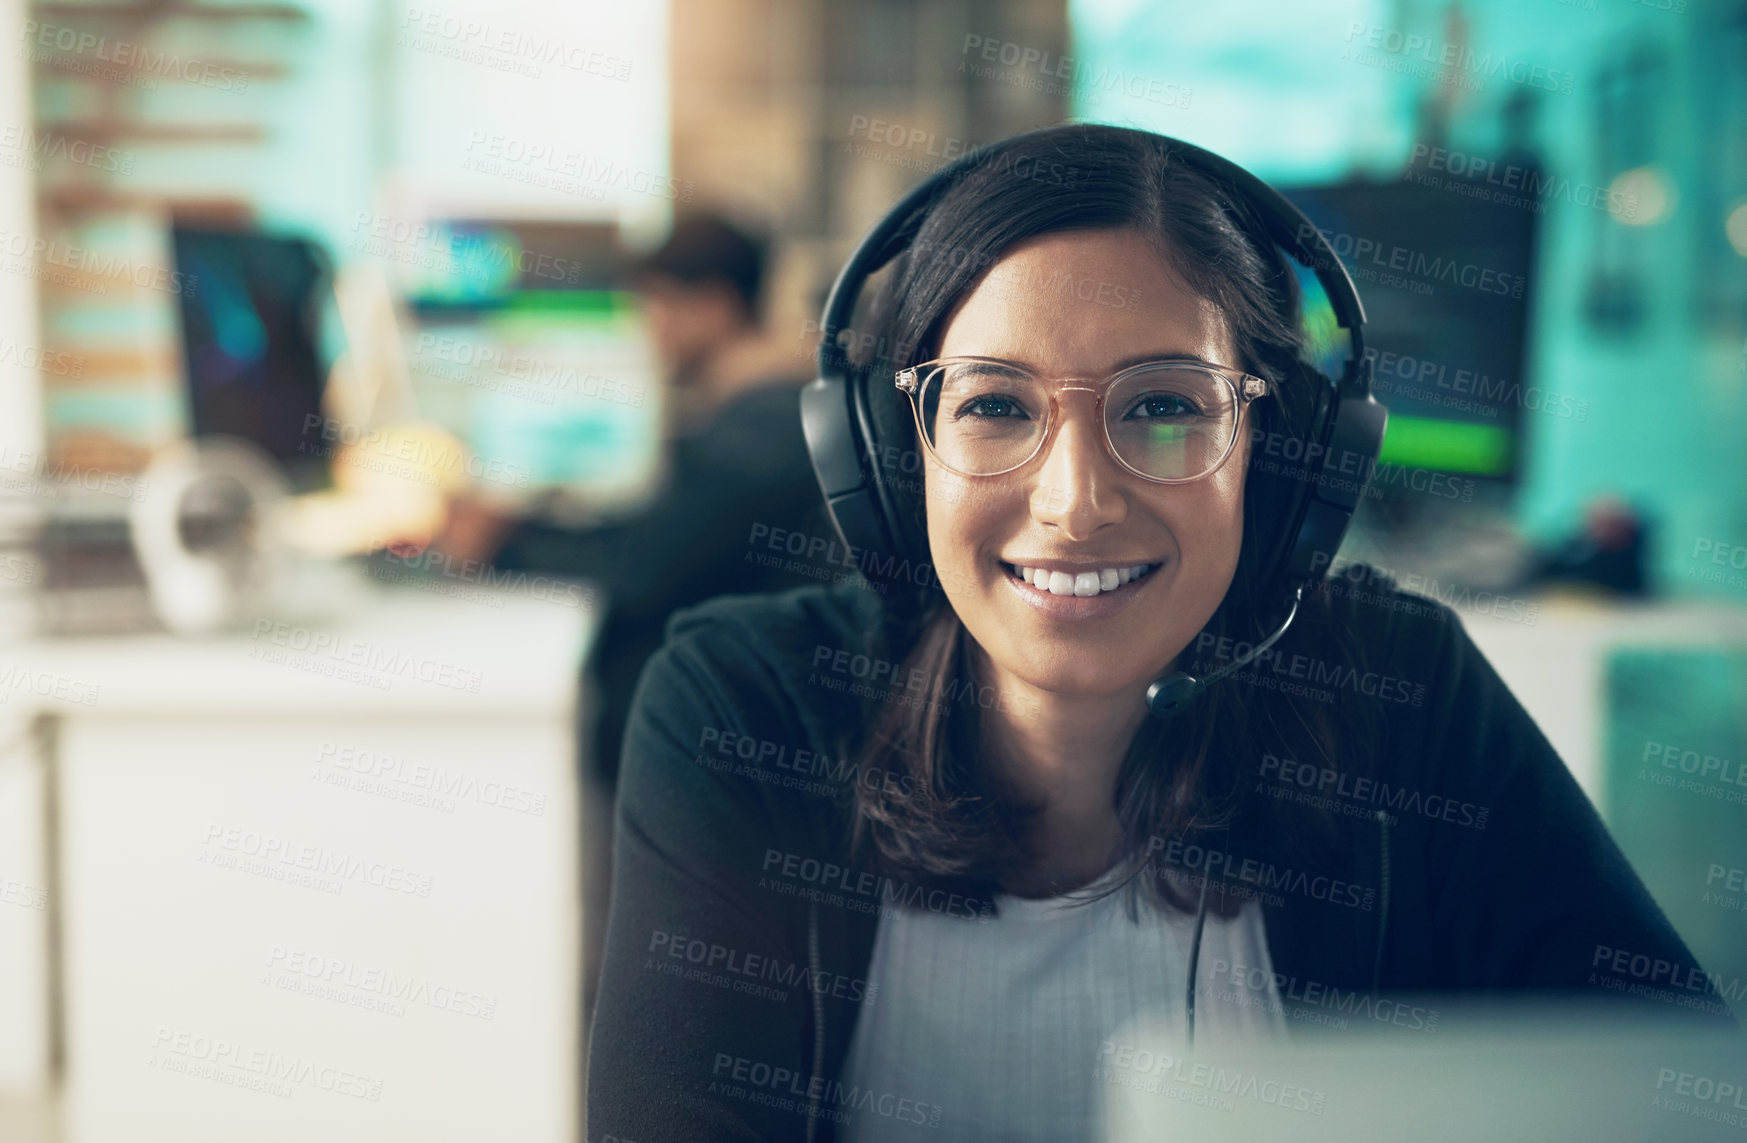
(1008, 1029)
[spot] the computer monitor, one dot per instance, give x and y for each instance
(251, 354)
(527, 347)
(1446, 275)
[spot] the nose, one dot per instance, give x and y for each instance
(1078, 483)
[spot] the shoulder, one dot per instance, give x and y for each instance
(783, 633)
(777, 669)
(1391, 627)
(1445, 706)
(1393, 662)
(734, 741)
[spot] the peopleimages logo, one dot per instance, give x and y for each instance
(1384, 261)
(277, 857)
(564, 170)
(762, 758)
(739, 1077)
(1078, 78)
(1640, 974)
(419, 782)
(862, 891)
(37, 144)
(741, 968)
(1327, 782)
(130, 58)
(1265, 876)
(102, 267)
(1256, 982)
(371, 988)
(1396, 590)
(225, 1061)
(473, 40)
(1216, 1080)
(1510, 184)
(1396, 372)
(1459, 59)
(1310, 670)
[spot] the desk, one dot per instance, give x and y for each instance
(317, 879)
(1556, 666)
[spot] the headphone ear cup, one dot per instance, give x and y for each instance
(1279, 484)
(1349, 454)
(894, 460)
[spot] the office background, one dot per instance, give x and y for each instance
(381, 242)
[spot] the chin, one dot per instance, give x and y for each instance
(1073, 672)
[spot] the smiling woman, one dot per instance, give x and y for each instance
(950, 858)
(1071, 508)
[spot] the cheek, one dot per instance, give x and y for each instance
(1209, 527)
(1227, 489)
(950, 513)
(962, 519)
(1230, 514)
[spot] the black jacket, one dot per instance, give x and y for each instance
(740, 935)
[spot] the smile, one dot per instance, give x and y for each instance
(1086, 583)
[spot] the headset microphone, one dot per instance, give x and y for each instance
(1171, 693)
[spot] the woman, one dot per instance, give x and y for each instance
(907, 863)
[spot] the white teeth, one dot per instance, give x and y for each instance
(1081, 583)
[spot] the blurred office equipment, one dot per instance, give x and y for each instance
(208, 533)
(247, 312)
(1446, 276)
(1554, 1074)
(521, 343)
(1610, 550)
(250, 333)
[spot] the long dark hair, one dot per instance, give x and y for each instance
(958, 821)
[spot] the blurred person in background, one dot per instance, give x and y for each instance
(737, 460)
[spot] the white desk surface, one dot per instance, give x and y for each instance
(426, 646)
(1556, 668)
(160, 721)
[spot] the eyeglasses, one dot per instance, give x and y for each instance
(1170, 422)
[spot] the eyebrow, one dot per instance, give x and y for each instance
(1130, 362)
(1118, 367)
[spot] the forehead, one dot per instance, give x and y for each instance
(1081, 301)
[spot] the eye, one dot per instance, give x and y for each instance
(985, 391)
(1164, 405)
(989, 405)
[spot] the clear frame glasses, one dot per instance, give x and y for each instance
(1167, 421)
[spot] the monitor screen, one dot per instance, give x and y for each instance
(1445, 275)
(250, 342)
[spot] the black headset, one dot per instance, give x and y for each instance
(848, 442)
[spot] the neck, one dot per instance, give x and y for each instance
(1066, 752)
